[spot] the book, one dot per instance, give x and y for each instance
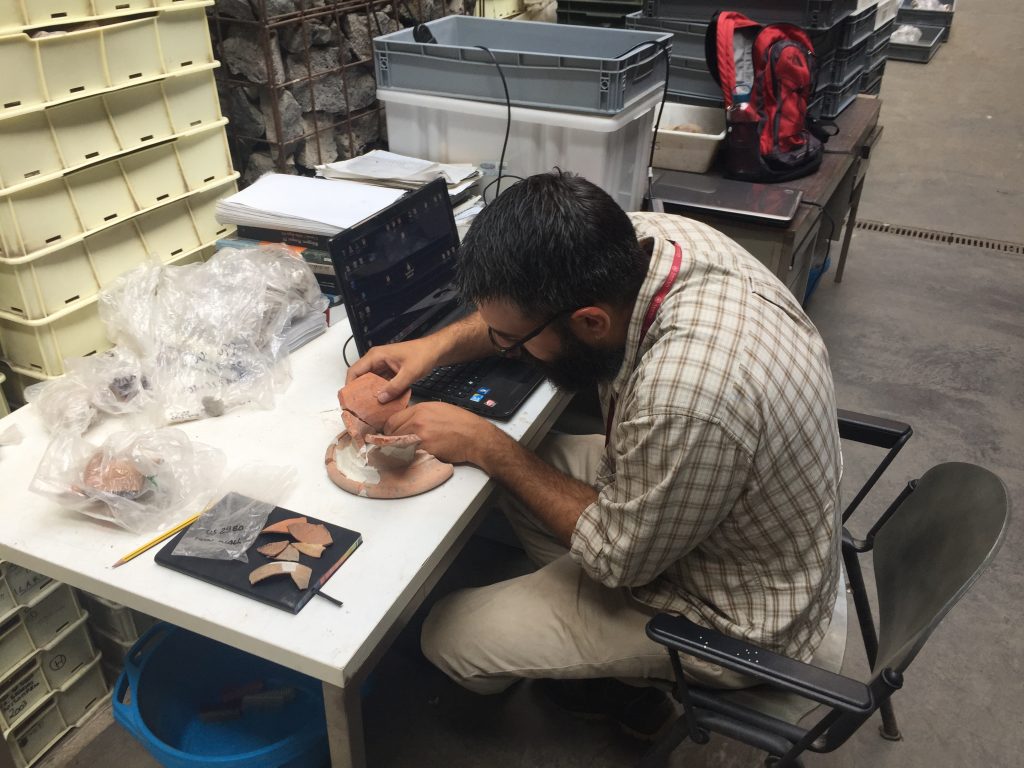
(278, 591)
(286, 236)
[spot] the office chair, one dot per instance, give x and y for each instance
(927, 548)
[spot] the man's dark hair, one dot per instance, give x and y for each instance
(551, 243)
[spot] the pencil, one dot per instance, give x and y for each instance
(161, 537)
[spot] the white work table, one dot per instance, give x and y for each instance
(407, 544)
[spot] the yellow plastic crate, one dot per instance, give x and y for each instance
(40, 146)
(4, 408)
(54, 214)
(36, 349)
(60, 282)
(83, 62)
(68, 707)
(16, 15)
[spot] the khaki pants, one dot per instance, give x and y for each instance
(556, 622)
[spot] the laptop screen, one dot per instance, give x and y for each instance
(396, 268)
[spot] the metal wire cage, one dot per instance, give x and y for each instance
(296, 78)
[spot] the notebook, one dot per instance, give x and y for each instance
(278, 591)
(396, 271)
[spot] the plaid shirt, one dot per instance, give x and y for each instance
(718, 490)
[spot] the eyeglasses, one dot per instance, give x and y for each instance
(513, 350)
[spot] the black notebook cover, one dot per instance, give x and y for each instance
(279, 591)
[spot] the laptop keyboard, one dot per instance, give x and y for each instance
(455, 381)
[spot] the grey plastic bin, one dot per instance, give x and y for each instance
(691, 80)
(809, 14)
(859, 27)
(547, 66)
(687, 36)
(922, 51)
(920, 17)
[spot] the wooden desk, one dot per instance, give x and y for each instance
(407, 544)
(831, 196)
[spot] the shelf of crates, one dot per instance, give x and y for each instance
(87, 62)
(21, 15)
(67, 210)
(43, 146)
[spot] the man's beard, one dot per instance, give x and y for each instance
(579, 366)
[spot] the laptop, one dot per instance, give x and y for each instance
(396, 271)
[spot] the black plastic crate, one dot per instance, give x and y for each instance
(882, 34)
(809, 14)
(849, 63)
(881, 53)
(839, 97)
(858, 27)
(871, 80)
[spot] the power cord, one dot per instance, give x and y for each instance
(831, 231)
(483, 193)
(657, 125)
(508, 120)
(344, 351)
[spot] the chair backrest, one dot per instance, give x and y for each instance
(930, 551)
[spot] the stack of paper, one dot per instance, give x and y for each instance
(301, 204)
(304, 329)
(391, 170)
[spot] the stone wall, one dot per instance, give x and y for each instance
(296, 79)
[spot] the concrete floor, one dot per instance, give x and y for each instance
(929, 334)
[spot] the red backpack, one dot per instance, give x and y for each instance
(779, 63)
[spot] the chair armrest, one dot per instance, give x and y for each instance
(871, 430)
(779, 671)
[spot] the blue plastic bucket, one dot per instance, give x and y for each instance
(170, 675)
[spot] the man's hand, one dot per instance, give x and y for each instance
(450, 433)
(402, 363)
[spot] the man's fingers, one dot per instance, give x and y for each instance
(399, 423)
(396, 387)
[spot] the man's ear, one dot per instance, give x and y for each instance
(592, 325)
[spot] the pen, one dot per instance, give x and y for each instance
(161, 537)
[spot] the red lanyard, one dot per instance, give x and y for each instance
(652, 311)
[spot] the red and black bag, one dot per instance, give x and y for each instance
(779, 63)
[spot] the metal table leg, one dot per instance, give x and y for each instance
(344, 710)
(851, 222)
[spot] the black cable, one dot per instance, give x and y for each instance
(657, 122)
(831, 231)
(344, 351)
(483, 193)
(508, 118)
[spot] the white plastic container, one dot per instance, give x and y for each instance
(611, 151)
(689, 150)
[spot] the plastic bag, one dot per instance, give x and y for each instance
(929, 5)
(907, 33)
(211, 336)
(64, 405)
(229, 528)
(11, 435)
(143, 481)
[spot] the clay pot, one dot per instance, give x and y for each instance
(115, 476)
(349, 468)
(360, 399)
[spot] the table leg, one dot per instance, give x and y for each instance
(851, 222)
(344, 710)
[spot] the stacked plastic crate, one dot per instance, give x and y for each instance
(50, 675)
(597, 13)
(112, 151)
(878, 46)
(843, 32)
(114, 629)
(934, 24)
